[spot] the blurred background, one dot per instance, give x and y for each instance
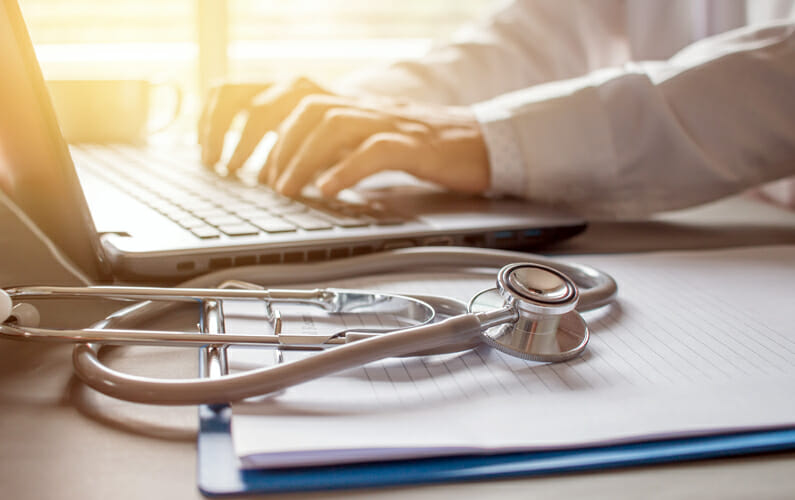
(193, 43)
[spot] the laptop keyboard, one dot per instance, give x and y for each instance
(211, 206)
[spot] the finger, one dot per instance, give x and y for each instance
(205, 114)
(267, 111)
(223, 105)
(294, 130)
(340, 131)
(384, 151)
(256, 127)
(213, 124)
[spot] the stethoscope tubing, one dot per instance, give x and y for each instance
(596, 287)
(274, 378)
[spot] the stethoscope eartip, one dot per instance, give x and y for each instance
(19, 314)
(6, 306)
(26, 315)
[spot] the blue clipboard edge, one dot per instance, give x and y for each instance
(219, 475)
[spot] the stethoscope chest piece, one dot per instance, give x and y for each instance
(547, 327)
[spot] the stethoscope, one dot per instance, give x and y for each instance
(531, 313)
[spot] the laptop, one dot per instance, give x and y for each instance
(155, 214)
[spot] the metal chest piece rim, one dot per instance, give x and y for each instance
(548, 328)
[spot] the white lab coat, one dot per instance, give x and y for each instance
(620, 108)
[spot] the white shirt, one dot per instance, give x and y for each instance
(620, 108)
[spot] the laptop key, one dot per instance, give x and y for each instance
(223, 220)
(205, 232)
(238, 229)
(195, 205)
(377, 213)
(174, 213)
(253, 213)
(344, 220)
(387, 218)
(267, 200)
(238, 206)
(162, 206)
(190, 222)
(289, 208)
(209, 212)
(273, 224)
(308, 222)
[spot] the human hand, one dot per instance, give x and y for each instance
(337, 141)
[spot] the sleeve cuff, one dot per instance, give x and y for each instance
(550, 143)
(508, 172)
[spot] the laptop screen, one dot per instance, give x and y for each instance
(36, 170)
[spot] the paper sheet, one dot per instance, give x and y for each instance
(698, 342)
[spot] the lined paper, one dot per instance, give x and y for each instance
(697, 342)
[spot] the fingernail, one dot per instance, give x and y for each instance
(328, 187)
(279, 185)
(285, 188)
(206, 157)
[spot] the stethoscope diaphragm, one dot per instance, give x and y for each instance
(547, 328)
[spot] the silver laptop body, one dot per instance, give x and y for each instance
(155, 214)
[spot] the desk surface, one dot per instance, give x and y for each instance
(62, 440)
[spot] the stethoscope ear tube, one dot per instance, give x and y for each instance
(596, 287)
(459, 329)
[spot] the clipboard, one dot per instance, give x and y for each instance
(219, 474)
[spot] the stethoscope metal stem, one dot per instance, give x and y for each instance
(496, 317)
(319, 297)
(214, 362)
(147, 337)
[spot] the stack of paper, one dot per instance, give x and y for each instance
(697, 343)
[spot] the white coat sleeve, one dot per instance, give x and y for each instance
(716, 118)
(524, 43)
